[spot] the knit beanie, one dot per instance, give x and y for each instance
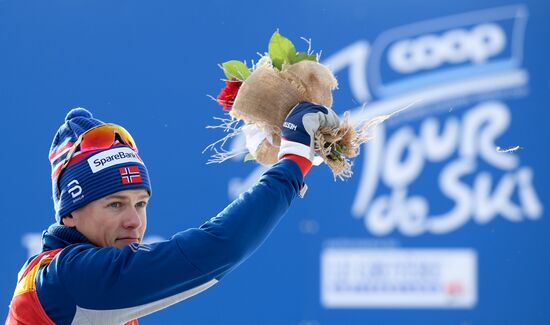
(91, 175)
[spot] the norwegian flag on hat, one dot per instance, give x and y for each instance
(130, 175)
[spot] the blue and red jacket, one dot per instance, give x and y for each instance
(76, 282)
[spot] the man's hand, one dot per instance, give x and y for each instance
(298, 131)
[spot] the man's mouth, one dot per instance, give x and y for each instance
(127, 240)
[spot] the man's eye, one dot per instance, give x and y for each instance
(115, 205)
(141, 204)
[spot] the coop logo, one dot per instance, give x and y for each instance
(476, 45)
(447, 49)
(112, 157)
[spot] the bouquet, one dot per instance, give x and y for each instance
(262, 95)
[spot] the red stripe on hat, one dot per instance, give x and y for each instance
(78, 158)
(81, 155)
(55, 172)
(73, 161)
(60, 150)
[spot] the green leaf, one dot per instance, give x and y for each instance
(235, 70)
(281, 50)
(301, 56)
(249, 157)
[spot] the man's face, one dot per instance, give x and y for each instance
(115, 220)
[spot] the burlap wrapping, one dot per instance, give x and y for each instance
(315, 81)
(267, 96)
(266, 154)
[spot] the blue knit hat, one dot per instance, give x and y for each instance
(91, 175)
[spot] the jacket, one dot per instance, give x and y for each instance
(86, 284)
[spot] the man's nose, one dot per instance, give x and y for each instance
(132, 219)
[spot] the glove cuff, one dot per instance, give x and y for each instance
(303, 163)
(295, 148)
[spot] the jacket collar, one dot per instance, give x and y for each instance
(60, 236)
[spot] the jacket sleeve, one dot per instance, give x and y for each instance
(117, 285)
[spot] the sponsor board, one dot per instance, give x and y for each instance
(355, 277)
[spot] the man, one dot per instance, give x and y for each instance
(93, 269)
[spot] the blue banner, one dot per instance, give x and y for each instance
(444, 220)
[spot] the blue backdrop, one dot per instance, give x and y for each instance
(439, 224)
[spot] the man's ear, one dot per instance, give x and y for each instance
(69, 221)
